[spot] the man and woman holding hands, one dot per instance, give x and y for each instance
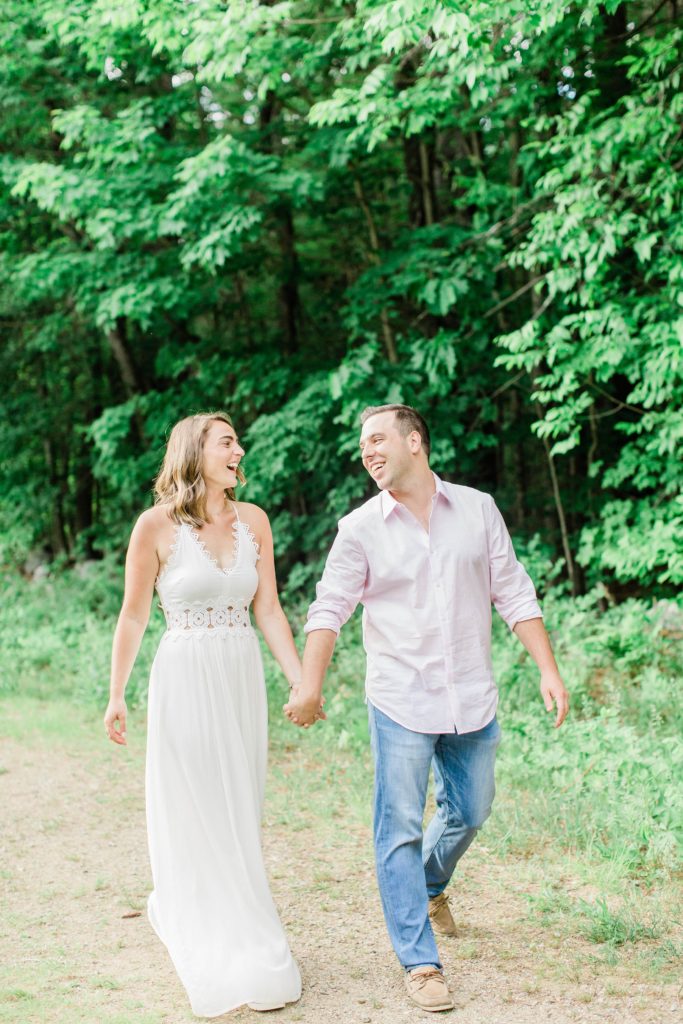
(427, 560)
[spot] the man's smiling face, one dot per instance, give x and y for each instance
(385, 452)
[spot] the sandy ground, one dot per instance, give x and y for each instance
(74, 869)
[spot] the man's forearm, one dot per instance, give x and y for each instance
(317, 654)
(534, 636)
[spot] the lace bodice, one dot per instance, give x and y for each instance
(199, 597)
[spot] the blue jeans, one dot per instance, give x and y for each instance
(411, 867)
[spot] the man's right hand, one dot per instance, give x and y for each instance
(304, 708)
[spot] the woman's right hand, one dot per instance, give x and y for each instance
(116, 712)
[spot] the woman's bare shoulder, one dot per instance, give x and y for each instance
(154, 522)
(255, 518)
(251, 513)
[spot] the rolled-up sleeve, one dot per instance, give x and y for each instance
(512, 592)
(341, 586)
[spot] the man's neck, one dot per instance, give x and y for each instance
(416, 494)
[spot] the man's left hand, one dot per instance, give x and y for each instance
(553, 692)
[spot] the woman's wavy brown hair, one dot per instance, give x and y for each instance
(180, 486)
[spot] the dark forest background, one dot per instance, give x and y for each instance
(291, 210)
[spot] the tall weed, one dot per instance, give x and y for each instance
(607, 782)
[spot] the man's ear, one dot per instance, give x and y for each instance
(414, 441)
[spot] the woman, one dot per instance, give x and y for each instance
(209, 556)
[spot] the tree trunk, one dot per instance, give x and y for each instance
(610, 52)
(559, 508)
(118, 345)
(289, 302)
(243, 304)
(116, 338)
(419, 159)
(83, 503)
(519, 475)
(387, 333)
(572, 574)
(58, 534)
(289, 288)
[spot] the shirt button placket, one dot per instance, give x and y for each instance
(443, 626)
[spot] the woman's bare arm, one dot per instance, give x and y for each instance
(142, 565)
(268, 613)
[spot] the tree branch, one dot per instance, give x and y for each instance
(646, 21)
(512, 298)
(615, 401)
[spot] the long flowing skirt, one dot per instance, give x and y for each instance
(205, 776)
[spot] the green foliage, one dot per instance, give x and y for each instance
(621, 666)
(296, 209)
(58, 633)
(607, 784)
(607, 250)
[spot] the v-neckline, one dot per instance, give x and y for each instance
(223, 570)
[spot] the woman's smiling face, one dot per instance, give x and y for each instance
(221, 455)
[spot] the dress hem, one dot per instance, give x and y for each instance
(209, 1015)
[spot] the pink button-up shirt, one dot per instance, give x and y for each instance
(426, 604)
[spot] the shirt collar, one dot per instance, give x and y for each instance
(389, 503)
(441, 488)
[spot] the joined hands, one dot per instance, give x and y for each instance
(304, 709)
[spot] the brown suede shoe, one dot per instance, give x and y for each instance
(428, 989)
(440, 915)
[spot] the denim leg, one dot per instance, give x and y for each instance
(464, 789)
(402, 761)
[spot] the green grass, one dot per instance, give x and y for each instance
(623, 736)
(616, 927)
(606, 785)
(599, 798)
(627, 924)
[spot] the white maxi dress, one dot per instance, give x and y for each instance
(205, 775)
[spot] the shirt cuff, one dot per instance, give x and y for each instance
(322, 621)
(530, 612)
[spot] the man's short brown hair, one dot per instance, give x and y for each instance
(407, 420)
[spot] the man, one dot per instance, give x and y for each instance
(426, 559)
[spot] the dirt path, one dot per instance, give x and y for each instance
(74, 868)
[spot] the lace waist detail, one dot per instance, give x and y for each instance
(225, 619)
